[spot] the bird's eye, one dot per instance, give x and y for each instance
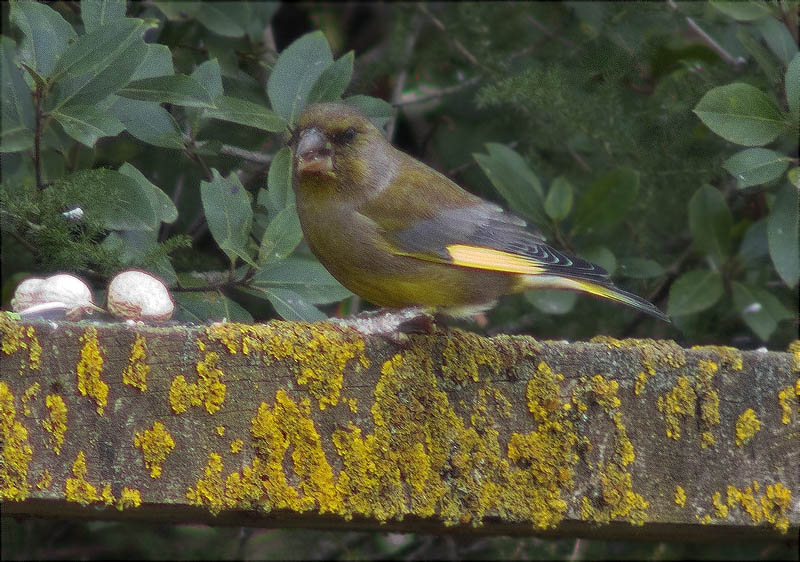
(346, 136)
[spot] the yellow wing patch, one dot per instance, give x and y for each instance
(494, 260)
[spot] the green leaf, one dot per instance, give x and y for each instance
(117, 202)
(295, 72)
(86, 124)
(514, 181)
(216, 16)
(96, 13)
(245, 112)
(764, 59)
(754, 243)
(209, 76)
(640, 268)
(778, 38)
(201, 308)
(759, 309)
(163, 207)
(742, 10)
(607, 200)
(754, 166)
(742, 114)
(693, 292)
(228, 213)
(710, 223)
(558, 203)
(333, 82)
(17, 108)
(784, 235)
(307, 278)
(794, 177)
(157, 62)
(134, 247)
(177, 89)
(792, 82)
(378, 111)
(45, 35)
(106, 71)
(281, 237)
(148, 122)
(552, 301)
(601, 256)
(280, 194)
(293, 307)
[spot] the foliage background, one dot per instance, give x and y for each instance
(656, 139)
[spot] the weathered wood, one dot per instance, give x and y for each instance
(313, 425)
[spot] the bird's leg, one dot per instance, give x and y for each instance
(390, 322)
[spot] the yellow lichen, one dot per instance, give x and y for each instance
(78, 489)
(236, 446)
(319, 355)
(678, 402)
(155, 444)
(90, 368)
(55, 424)
(209, 490)
(654, 352)
(708, 398)
(209, 390)
(16, 452)
(794, 349)
(135, 374)
(129, 498)
(680, 496)
(18, 337)
(785, 397)
(619, 497)
(107, 496)
(45, 479)
(720, 508)
(729, 356)
(746, 426)
(220, 430)
(773, 506)
(28, 396)
(641, 380)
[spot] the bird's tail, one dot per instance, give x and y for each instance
(606, 291)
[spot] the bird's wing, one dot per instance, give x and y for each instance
(449, 225)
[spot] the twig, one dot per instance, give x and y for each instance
(400, 82)
(716, 47)
(434, 93)
(456, 43)
(550, 34)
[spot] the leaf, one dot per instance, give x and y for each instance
(295, 72)
(96, 13)
(762, 56)
(216, 16)
(282, 236)
(754, 166)
(333, 82)
(117, 202)
(279, 192)
(86, 124)
(228, 213)
(514, 181)
(742, 11)
(307, 278)
(640, 268)
(754, 243)
(741, 113)
(157, 62)
(558, 203)
(148, 122)
(792, 82)
(607, 200)
(783, 235)
(163, 207)
(794, 177)
(693, 292)
(552, 301)
(601, 256)
(710, 223)
(778, 38)
(177, 89)
(132, 247)
(199, 308)
(17, 108)
(759, 309)
(378, 111)
(292, 307)
(209, 76)
(245, 112)
(45, 35)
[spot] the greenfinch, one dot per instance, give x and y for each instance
(400, 234)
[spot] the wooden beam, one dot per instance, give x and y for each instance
(313, 425)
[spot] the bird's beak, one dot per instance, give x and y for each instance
(314, 152)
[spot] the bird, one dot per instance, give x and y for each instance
(401, 235)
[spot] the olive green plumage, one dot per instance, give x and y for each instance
(399, 233)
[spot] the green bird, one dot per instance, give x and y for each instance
(400, 234)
